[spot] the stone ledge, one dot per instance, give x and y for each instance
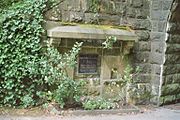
(134, 109)
(91, 32)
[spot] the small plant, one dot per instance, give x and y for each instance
(130, 74)
(98, 103)
(110, 40)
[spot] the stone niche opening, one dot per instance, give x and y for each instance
(100, 67)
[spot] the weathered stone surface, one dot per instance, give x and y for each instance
(156, 69)
(171, 69)
(91, 18)
(130, 12)
(156, 58)
(107, 6)
(143, 35)
(71, 5)
(65, 16)
(141, 57)
(142, 13)
(144, 68)
(174, 78)
(139, 24)
(53, 14)
(107, 19)
(148, 52)
(169, 99)
(156, 5)
(172, 59)
(144, 46)
(157, 47)
(159, 15)
(167, 4)
(137, 3)
(173, 48)
(162, 26)
(76, 17)
(142, 78)
(155, 79)
(157, 36)
(91, 32)
(174, 38)
(174, 28)
(139, 94)
(177, 78)
(170, 89)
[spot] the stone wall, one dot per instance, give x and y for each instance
(156, 52)
(171, 70)
(132, 13)
(160, 11)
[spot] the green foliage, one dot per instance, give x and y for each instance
(65, 90)
(109, 42)
(20, 52)
(4, 4)
(130, 74)
(69, 92)
(94, 6)
(98, 103)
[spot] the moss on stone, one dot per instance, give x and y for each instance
(104, 27)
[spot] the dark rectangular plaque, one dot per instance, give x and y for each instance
(88, 63)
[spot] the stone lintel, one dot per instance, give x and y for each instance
(92, 32)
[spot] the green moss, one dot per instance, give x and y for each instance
(104, 27)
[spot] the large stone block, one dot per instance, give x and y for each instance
(158, 36)
(173, 48)
(169, 99)
(157, 47)
(143, 35)
(172, 59)
(107, 6)
(65, 16)
(144, 46)
(130, 12)
(159, 15)
(141, 57)
(156, 58)
(139, 24)
(167, 4)
(120, 8)
(170, 89)
(162, 26)
(139, 94)
(137, 3)
(72, 5)
(155, 79)
(142, 78)
(142, 13)
(156, 69)
(53, 14)
(174, 28)
(170, 69)
(144, 68)
(108, 19)
(156, 5)
(91, 18)
(170, 79)
(173, 38)
(76, 17)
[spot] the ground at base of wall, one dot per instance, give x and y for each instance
(38, 111)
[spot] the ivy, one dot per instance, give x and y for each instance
(28, 71)
(20, 51)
